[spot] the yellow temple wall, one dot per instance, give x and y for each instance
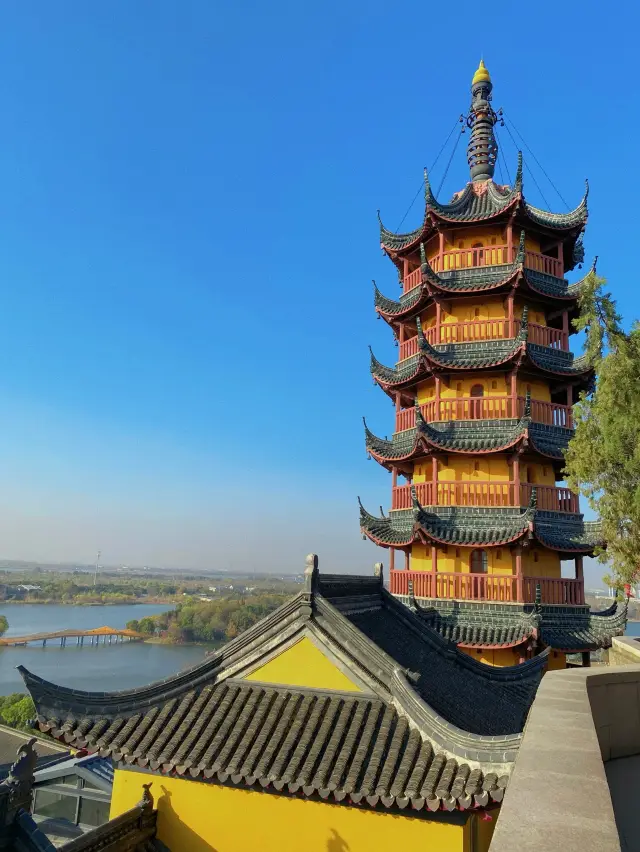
(494, 384)
(487, 235)
(200, 817)
(499, 559)
(494, 657)
(304, 665)
(462, 468)
(547, 564)
(488, 308)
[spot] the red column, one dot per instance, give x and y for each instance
(440, 252)
(405, 267)
(519, 583)
(579, 568)
(392, 559)
(512, 331)
(565, 330)
(438, 320)
(514, 394)
(437, 397)
(406, 560)
(561, 259)
(510, 242)
(434, 571)
(434, 480)
(516, 480)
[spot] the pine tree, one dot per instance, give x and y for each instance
(603, 459)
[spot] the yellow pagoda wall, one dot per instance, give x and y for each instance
(200, 817)
(494, 657)
(487, 235)
(494, 384)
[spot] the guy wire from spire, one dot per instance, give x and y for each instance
(524, 142)
(446, 171)
(527, 167)
(501, 147)
(433, 165)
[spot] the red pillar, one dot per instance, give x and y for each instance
(434, 480)
(565, 330)
(514, 394)
(516, 480)
(437, 397)
(512, 330)
(434, 570)
(438, 320)
(440, 252)
(392, 560)
(406, 560)
(510, 242)
(519, 582)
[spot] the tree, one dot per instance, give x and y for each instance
(603, 458)
(4, 624)
(17, 710)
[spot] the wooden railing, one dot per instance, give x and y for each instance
(486, 587)
(484, 256)
(485, 493)
(493, 329)
(484, 408)
(554, 591)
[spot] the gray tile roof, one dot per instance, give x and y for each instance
(431, 727)
(484, 624)
(482, 526)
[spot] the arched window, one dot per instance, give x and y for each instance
(477, 390)
(478, 561)
(478, 254)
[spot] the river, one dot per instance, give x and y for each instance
(91, 667)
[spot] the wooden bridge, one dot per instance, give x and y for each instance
(107, 634)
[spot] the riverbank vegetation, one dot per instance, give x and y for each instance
(82, 588)
(17, 710)
(208, 621)
(4, 625)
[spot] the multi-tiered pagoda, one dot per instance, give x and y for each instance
(483, 393)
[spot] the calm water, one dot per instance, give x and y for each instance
(101, 667)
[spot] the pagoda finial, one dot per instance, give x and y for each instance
(482, 150)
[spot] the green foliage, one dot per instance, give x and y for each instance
(4, 625)
(17, 710)
(603, 459)
(598, 318)
(212, 621)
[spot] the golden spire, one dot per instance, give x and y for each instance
(481, 74)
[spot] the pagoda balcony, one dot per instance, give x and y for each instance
(471, 258)
(477, 330)
(487, 587)
(485, 408)
(490, 494)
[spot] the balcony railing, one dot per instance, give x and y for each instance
(485, 493)
(486, 587)
(498, 329)
(485, 256)
(485, 408)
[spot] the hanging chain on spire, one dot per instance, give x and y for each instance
(482, 150)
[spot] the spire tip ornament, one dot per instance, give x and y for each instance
(482, 150)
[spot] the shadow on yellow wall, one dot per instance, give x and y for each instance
(169, 823)
(336, 843)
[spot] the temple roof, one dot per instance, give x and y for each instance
(484, 201)
(482, 355)
(499, 625)
(464, 436)
(478, 279)
(479, 526)
(429, 726)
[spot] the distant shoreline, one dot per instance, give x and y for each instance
(138, 602)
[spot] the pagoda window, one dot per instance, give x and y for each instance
(477, 390)
(531, 475)
(478, 561)
(475, 408)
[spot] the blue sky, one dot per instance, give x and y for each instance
(188, 197)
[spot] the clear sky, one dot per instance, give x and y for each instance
(188, 233)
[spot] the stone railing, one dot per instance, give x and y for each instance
(569, 790)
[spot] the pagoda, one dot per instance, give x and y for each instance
(483, 393)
